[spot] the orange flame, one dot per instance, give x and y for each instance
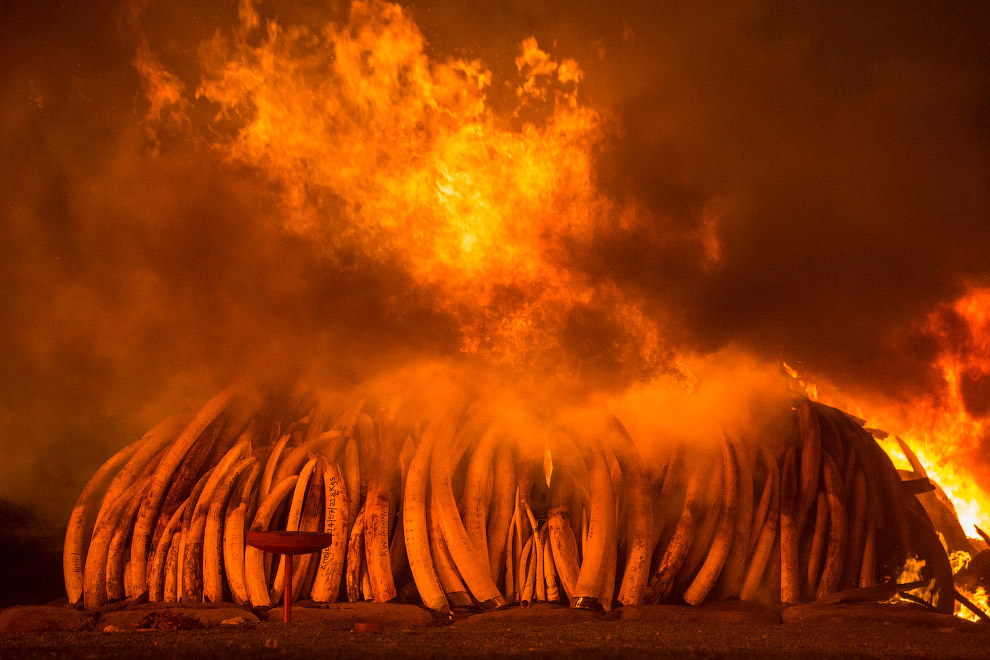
(941, 427)
(945, 429)
(378, 149)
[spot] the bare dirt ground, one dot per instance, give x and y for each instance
(505, 638)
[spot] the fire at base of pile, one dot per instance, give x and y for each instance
(467, 508)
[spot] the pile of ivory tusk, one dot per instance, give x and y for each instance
(461, 511)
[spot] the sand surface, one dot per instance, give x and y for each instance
(504, 638)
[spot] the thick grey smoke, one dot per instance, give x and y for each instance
(808, 182)
(842, 150)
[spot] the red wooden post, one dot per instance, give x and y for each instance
(287, 590)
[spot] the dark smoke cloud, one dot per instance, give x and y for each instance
(843, 148)
(838, 153)
(139, 276)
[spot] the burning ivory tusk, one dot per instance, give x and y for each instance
(722, 543)
(378, 514)
(213, 568)
(186, 524)
(549, 569)
(77, 532)
(562, 541)
(397, 546)
(329, 443)
(608, 582)
(473, 501)
(156, 576)
(514, 547)
(152, 502)
(526, 577)
(810, 460)
(182, 529)
(450, 580)
(768, 534)
(355, 558)
(868, 570)
(541, 586)
(707, 527)
(731, 578)
(192, 558)
(500, 517)
(336, 505)
(150, 450)
(238, 511)
(310, 521)
(680, 543)
(819, 541)
(790, 585)
(171, 578)
(415, 526)
(832, 573)
(299, 496)
(641, 538)
(95, 587)
(857, 520)
(476, 575)
(118, 578)
(760, 515)
(270, 465)
(254, 559)
(601, 531)
(528, 573)
(352, 479)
